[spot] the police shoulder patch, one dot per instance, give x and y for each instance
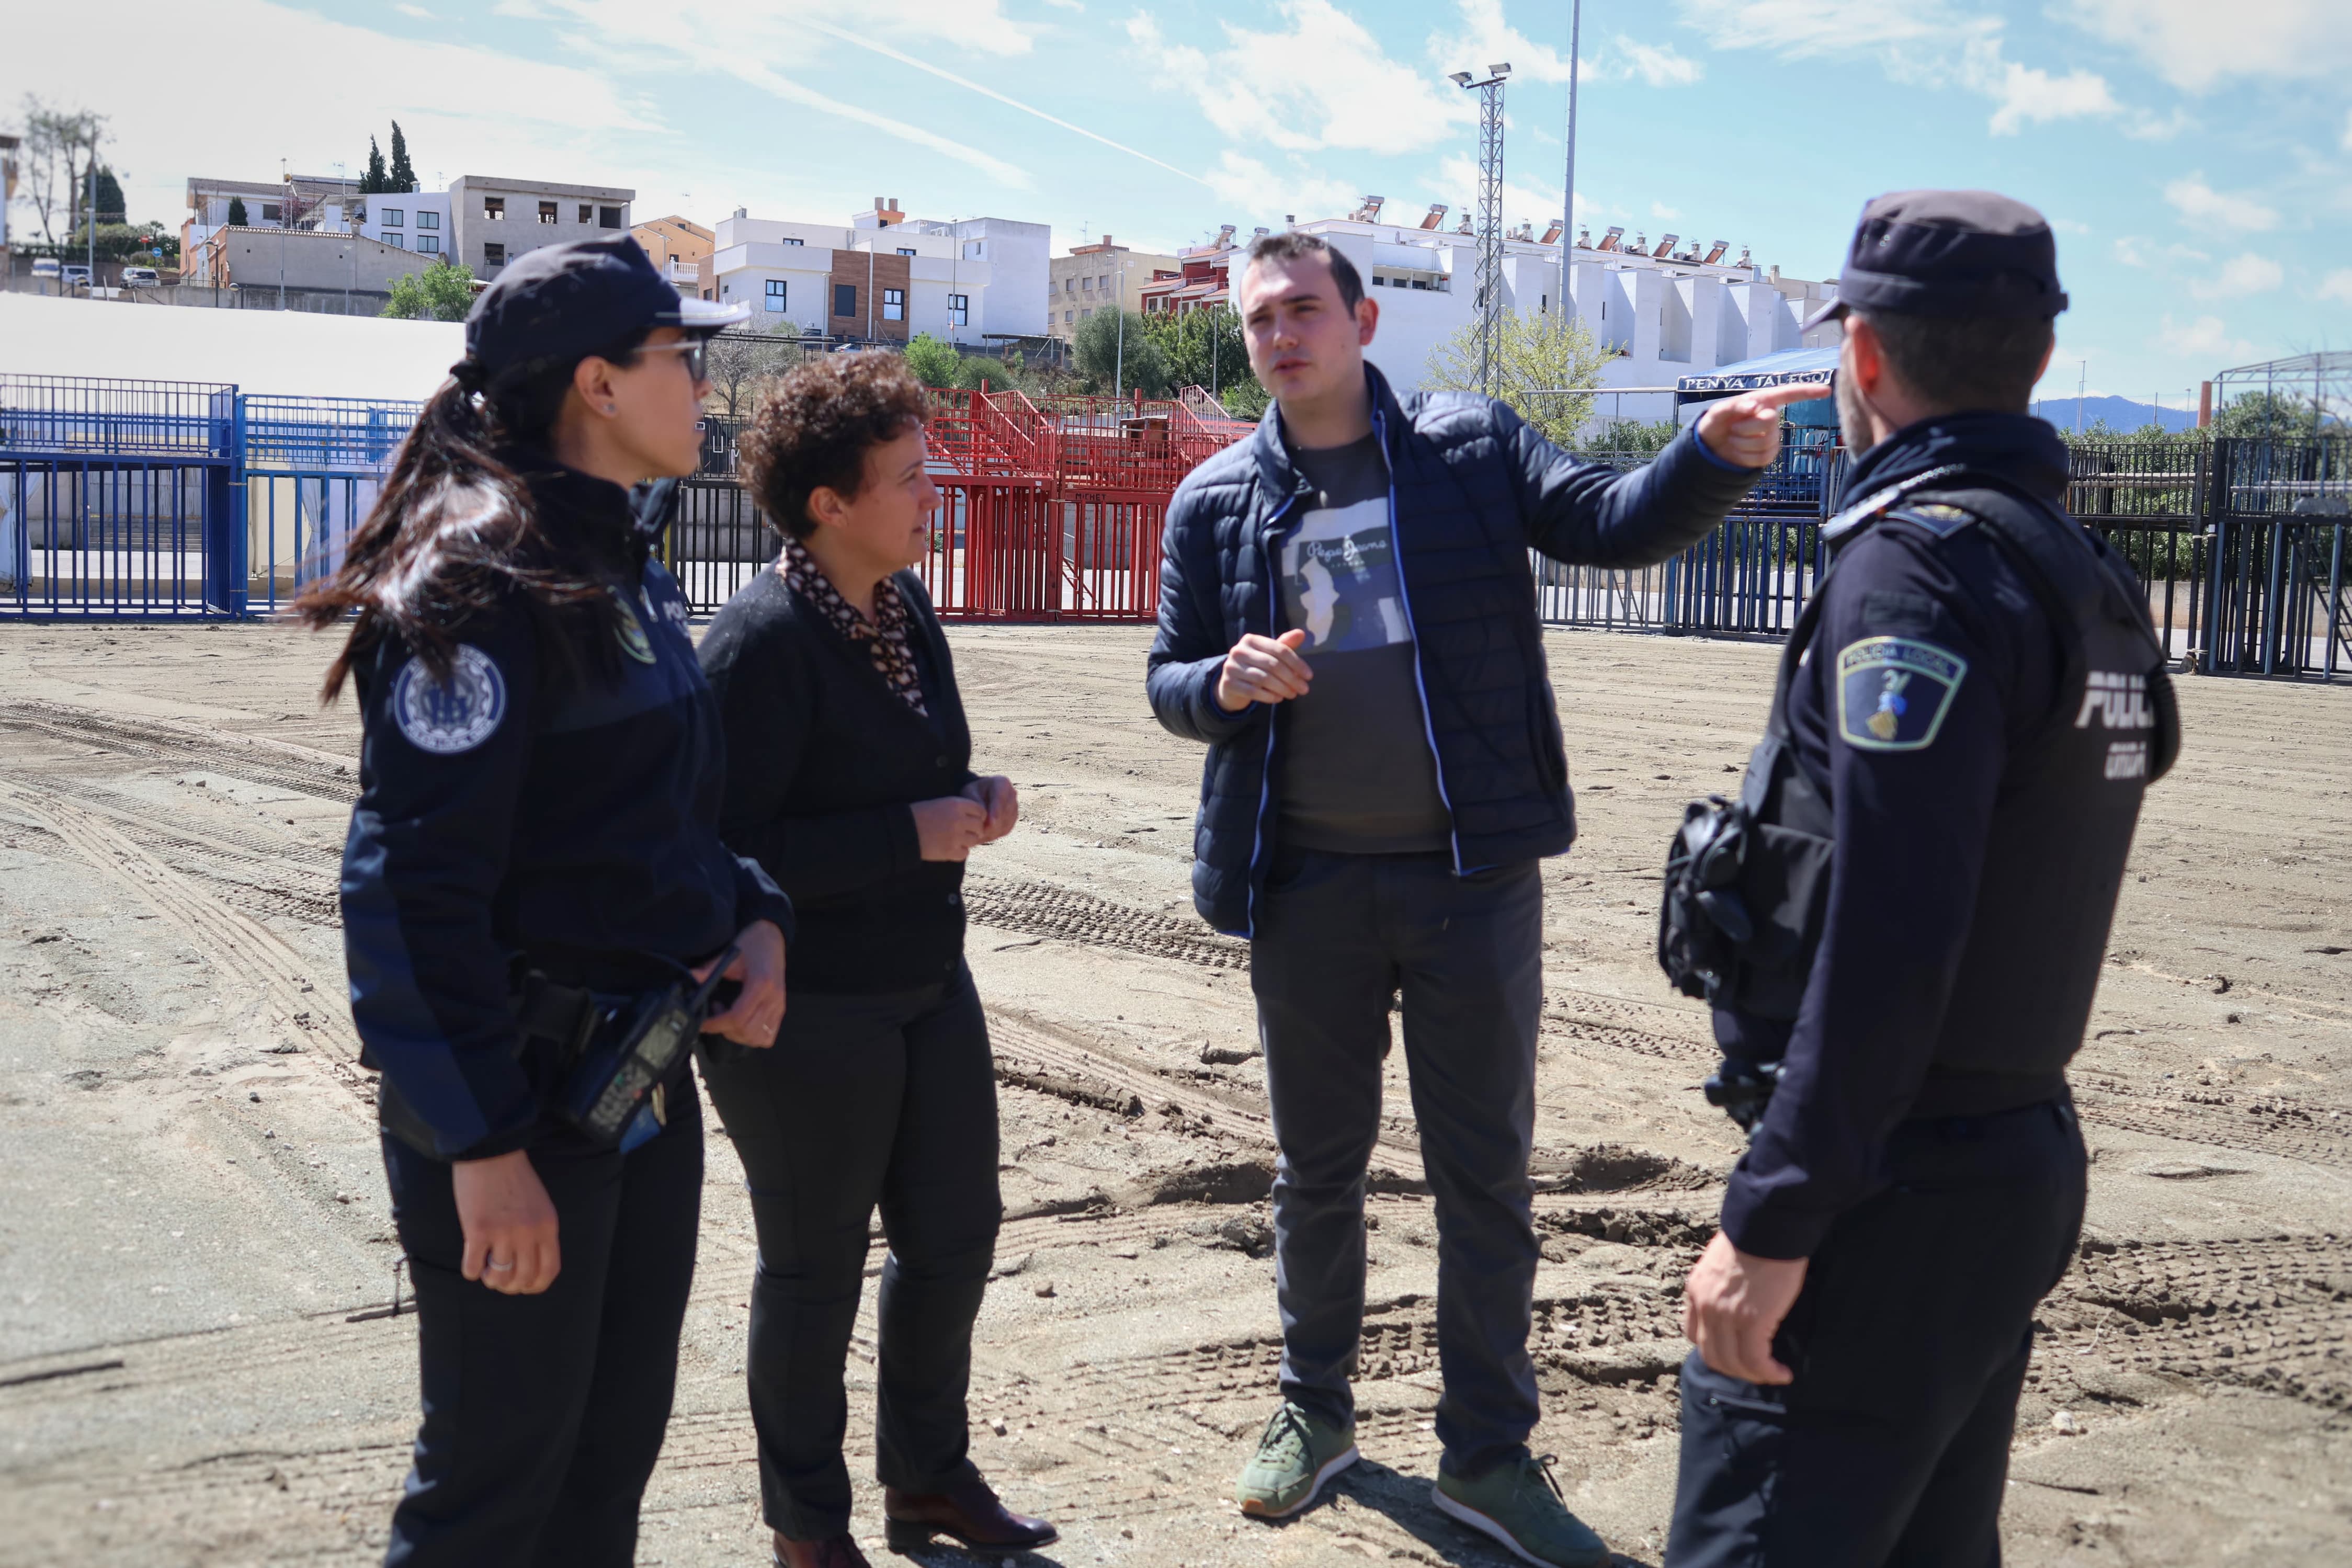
(631, 631)
(446, 717)
(1893, 692)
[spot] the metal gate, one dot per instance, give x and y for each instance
(117, 499)
(313, 467)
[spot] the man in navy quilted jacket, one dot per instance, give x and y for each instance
(1347, 617)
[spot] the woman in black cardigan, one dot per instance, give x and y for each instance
(848, 778)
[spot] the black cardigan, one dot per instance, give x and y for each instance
(823, 762)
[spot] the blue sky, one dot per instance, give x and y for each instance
(2196, 156)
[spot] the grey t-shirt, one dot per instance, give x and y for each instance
(1353, 769)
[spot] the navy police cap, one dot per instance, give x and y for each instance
(1948, 253)
(560, 303)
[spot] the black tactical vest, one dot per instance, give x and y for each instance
(1747, 882)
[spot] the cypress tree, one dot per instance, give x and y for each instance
(112, 208)
(374, 179)
(236, 212)
(404, 175)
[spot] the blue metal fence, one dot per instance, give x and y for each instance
(169, 499)
(119, 499)
(313, 467)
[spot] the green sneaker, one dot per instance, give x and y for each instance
(1295, 1455)
(1521, 1505)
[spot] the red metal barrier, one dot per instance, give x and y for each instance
(1053, 509)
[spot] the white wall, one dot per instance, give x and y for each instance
(292, 352)
(409, 233)
(749, 251)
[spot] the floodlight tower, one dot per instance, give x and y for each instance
(1488, 300)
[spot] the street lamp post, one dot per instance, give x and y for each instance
(1568, 195)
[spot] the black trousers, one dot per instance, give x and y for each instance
(543, 1415)
(1909, 1344)
(863, 1100)
(1340, 936)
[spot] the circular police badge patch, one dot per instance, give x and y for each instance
(445, 717)
(634, 641)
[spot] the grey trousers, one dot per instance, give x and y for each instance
(1338, 936)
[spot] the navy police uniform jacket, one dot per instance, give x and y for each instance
(1472, 489)
(1983, 761)
(516, 817)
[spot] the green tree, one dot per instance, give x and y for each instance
(1546, 368)
(1110, 361)
(374, 178)
(442, 292)
(236, 212)
(109, 204)
(934, 363)
(1632, 440)
(1204, 349)
(402, 177)
(2278, 415)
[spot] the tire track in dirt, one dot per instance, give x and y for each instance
(2221, 1119)
(258, 758)
(2267, 1312)
(244, 953)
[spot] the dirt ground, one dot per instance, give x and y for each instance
(205, 1356)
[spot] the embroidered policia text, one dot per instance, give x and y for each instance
(2120, 700)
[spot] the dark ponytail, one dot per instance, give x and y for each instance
(454, 530)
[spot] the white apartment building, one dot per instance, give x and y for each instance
(1669, 308)
(412, 220)
(882, 277)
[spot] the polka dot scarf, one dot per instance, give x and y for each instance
(884, 635)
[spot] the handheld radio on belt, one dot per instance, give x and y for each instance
(623, 1050)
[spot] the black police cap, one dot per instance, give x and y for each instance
(1948, 253)
(560, 303)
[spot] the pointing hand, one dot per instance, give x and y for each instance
(1745, 431)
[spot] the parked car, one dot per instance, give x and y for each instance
(141, 277)
(44, 267)
(75, 275)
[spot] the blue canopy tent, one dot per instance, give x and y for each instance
(1790, 367)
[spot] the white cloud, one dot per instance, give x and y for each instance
(1660, 210)
(1321, 82)
(2337, 285)
(2205, 338)
(1921, 42)
(1066, 5)
(2196, 43)
(2027, 94)
(1656, 65)
(2245, 273)
(1264, 192)
(419, 12)
(2198, 203)
(2347, 132)
(1482, 37)
(2069, 226)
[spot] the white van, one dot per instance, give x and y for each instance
(44, 267)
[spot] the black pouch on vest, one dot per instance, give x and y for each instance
(1746, 880)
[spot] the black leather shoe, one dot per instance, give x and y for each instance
(967, 1513)
(833, 1551)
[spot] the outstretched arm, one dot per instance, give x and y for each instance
(1587, 514)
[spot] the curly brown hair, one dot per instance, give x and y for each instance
(813, 428)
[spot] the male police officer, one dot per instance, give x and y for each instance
(1967, 715)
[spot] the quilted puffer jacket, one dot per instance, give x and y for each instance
(1472, 489)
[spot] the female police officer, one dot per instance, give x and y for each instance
(534, 871)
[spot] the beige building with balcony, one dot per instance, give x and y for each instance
(1097, 277)
(681, 248)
